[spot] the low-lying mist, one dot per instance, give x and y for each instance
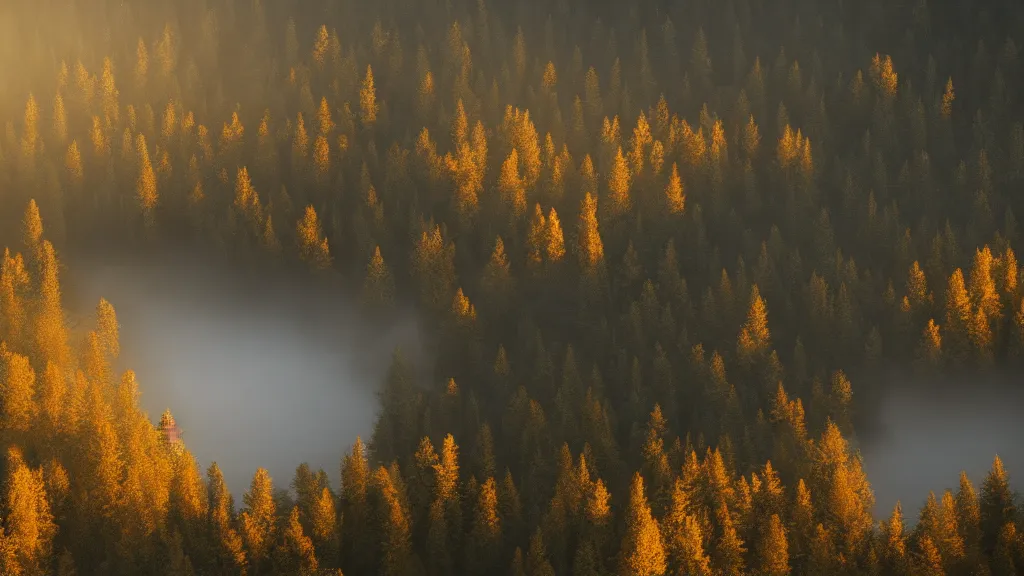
(258, 370)
(924, 435)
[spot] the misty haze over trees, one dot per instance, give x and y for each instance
(656, 247)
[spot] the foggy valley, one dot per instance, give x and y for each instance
(924, 434)
(258, 369)
(682, 287)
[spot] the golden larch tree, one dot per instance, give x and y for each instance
(675, 198)
(295, 553)
(321, 159)
(368, 100)
(751, 139)
(958, 318)
(754, 338)
(321, 43)
(73, 164)
(591, 249)
(30, 136)
(929, 350)
(513, 194)
(60, 120)
(100, 142)
(14, 280)
(638, 144)
(618, 186)
(258, 519)
(30, 522)
(167, 51)
(141, 64)
(536, 237)
(32, 232)
(982, 286)
(324, 525)
(169, 123)
(948, 97)
(145, 184)
(554, 249)
(50, 329)
(323, 117)
(19, 408)
(110, 94)
(313, 247)
(642, 553)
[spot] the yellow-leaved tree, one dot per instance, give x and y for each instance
(313, 247)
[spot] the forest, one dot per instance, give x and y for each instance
(663, 253)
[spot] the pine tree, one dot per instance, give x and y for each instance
(294, 554)
(145, 187)
(968, 516)
(258, 520)
(996, 505)
(111, 108)
(893, 544)
(618, 186)
(513, 192)
(30, 523)
(773, 549)
(368, 106)
(927, 561)
(32, 233)
(554, 248)
(312, 242)
(355, 481)
(675, 198)
(73, 163)
(929, 350)
(754, 339)
(19, 408)
(60, 120)
(729, 549)
(591, 249)
(958, 318)
(228, 547)
(684, 540)
(642, 553)
(324, 527)
(485, 537)
(948, 97)
(537, 563)
(393, 519)
(379, 285)
(14, 280)
(30, 142)
(50, 329)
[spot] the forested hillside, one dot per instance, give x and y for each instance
(658, 247)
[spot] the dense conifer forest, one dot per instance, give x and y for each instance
(658, 247)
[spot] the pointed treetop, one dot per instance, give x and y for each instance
(754, 337)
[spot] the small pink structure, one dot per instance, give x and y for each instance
(168, 427)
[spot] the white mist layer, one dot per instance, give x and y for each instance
(257, 372)
(926, 437)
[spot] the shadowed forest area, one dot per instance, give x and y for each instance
(664, 256)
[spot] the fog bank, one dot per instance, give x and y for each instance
(258, 371)
(924, 436)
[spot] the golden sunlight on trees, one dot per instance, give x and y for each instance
(312, 242)
(587, 213)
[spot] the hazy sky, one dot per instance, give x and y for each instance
(257, 372)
